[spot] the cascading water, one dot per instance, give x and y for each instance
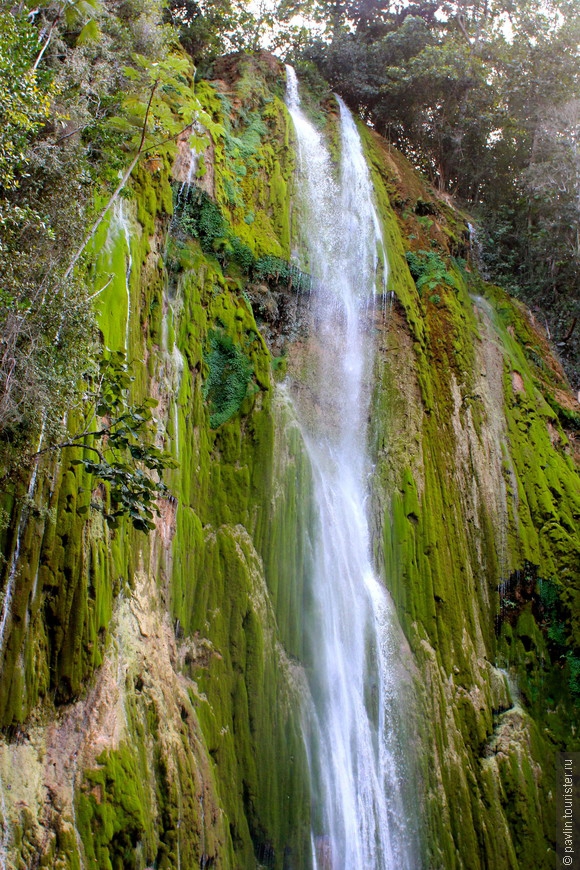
(355, 758)
(5, 836)
(120, 226)
(193, 161)
(5, 611)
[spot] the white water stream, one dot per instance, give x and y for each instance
(191, 172)
(5, 837)
(5, 611)
(359, 820)
(120, 225)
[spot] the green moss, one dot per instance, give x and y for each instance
(232, 562)
(442, 543)
(113, 815)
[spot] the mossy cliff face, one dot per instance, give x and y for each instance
(476, 489)
(150, 692)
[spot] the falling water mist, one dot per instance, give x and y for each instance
(357, 766)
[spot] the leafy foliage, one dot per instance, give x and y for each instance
(44, 339)
(533, 244)
(160, 104)
(428, 271)
(127, 458)
(276, 271)
(200, 216)
(556, 624)
(24, 97)
(229, 376)
(209, 29)
(41, 353)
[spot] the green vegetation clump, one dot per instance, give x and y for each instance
(428, 270)
(230, 373)
(199, 216)
(568, 418)
(277, 271)
(555, 620)
(241, 151)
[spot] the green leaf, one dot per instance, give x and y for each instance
(121, 124)
(131, 73)
(89, 33)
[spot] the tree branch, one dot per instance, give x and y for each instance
(46, 42)
(118, 189)
(568, 335)
(49, 37)
(461, 25)
(72, 132)
(165, 141)
(64, 444)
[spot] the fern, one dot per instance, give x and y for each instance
(230, 373)
(428, 270)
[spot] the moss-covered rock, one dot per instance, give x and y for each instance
(475, 480)
(151, 686)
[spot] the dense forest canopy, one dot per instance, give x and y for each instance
(483, 97)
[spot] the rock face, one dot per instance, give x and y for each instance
(151, 686)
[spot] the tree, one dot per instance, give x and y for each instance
(25, 96)
(553, 183)
(209, 29)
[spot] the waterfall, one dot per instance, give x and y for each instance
(5, 838)
(120, 225)
(193, 155)
(20, 530)
(356, 764)
(191, 172)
